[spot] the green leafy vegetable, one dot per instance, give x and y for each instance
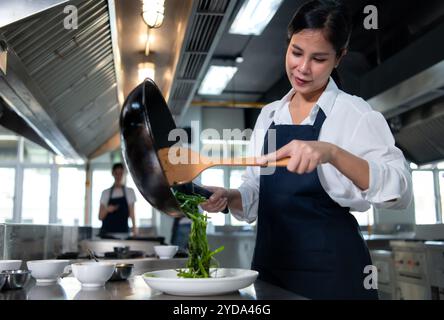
(201, 258)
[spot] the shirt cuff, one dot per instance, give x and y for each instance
(375, 192)
(249, 201)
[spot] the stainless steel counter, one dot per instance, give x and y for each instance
(142, 265)
(135, 289)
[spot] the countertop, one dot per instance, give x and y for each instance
(135, 288)
(398, 236)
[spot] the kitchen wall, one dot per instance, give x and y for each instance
(28, 242)
(393, 221)
(223, 118)
(238, 248)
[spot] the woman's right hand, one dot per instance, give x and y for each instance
(218, 200)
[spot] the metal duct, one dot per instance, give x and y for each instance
(208, 20)
(413, 92)
(408, 79)
(420, 136)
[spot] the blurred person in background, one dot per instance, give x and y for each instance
(116, 206)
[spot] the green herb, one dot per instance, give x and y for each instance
(201, 258)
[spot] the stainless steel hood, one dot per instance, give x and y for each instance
(418, 90)
(63, 80)
(69, 84)
(413, 101)
(12, 11)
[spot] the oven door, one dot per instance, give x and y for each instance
(412, 291)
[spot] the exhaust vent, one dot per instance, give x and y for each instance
(208, 19)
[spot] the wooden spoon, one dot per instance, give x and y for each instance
(187, 164)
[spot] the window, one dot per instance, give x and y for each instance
(441, 192)
(214, 177)
(364, 218)
(7, 185)
(101, 180)
(8, 148)
(424, 194)
(236, 178)
(36, 193)
(143, 210)
(34, 167)
(71, 196)
(33, 153)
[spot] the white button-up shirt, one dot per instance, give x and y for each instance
(352, 125)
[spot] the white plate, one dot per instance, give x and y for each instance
(223, 281)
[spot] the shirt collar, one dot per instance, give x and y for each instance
(325, 101)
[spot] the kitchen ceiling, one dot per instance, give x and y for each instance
(69, 85)
(262, 72)
(377, 67)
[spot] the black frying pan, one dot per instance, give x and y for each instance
(145, 122)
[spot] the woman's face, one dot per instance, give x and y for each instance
(309, 61)
(118, 175)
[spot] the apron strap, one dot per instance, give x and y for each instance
(110, 193)
(320, 118)
(124, 192)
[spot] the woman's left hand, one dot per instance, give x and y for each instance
(304, 156)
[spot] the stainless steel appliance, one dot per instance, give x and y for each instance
(383, 261)
(435, 267)
(411, 270)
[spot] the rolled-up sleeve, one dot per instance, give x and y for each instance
(390, 184)
(249, 191)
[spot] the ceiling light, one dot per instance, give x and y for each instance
(146, 70)
(253, 16)
(153, 12)
(216, 79)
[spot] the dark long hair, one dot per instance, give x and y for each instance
(330, 16)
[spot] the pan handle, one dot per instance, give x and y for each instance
(206, 193)
(191, 187)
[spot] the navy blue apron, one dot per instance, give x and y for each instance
(306, 242)
(117, 221)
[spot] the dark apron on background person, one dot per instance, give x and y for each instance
(306, 242)
(180, 233)
(117, 221)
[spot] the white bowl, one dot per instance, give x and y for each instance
(10, 265)
(93, 274)
(166, 252)
(47, 271)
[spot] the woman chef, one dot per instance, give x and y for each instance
(342, 157)
(116, 206)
